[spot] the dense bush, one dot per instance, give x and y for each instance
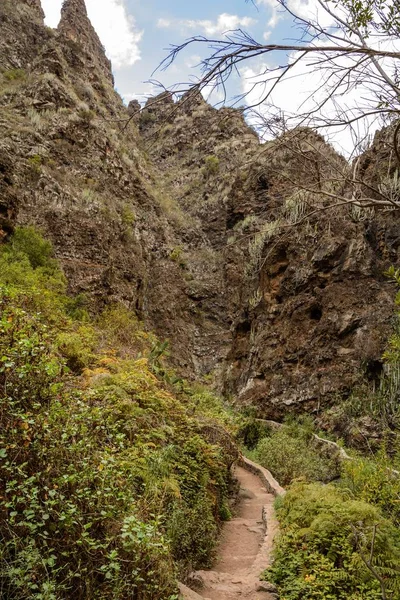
(107, 484)
(251, 432)
(290, 453)
(211, 165)
(334, 548)
(374, 481)
(27, 241)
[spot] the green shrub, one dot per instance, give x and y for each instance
(204, 403)
(30, 275)
(28, 241)
(77, 347)
(14, 74)
(252, 432)
(193, 533)
(119, 328)
(211, 165)
(100, 517)
(326, 544)
(373, 481)
(35, 162)
(289, 453)
(127, 215)
(177, 256)
(77, 307)
(194, 517)
(96, 470)
(147, 117)
(225, 512)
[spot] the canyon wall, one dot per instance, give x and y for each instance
(173, 211)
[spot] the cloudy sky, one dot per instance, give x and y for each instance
(137, 34)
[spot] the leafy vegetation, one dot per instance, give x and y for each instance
(251, 432)
(290, 453)
(211, 165)
(374, 481)
(338, 541)
(334, 547)
(110, 482)
(14, 74)
(177, 256)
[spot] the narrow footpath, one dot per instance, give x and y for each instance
(245, 547)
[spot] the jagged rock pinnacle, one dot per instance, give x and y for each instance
(72, 10)
(75, 24)
(36, 5)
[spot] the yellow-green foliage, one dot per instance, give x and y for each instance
(177, 256)
(207, 405)
(127, 215)
(77, 346)
(109, 484)
(118, 328)
(290, 454)
(27, 241)
(211, 165)
(374, 481)
(334, 548)
(29, 273)
(14, 74)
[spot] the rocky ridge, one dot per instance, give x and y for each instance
(162, 215)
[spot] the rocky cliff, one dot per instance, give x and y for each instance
(175, 215)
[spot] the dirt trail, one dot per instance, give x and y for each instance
(245, 547)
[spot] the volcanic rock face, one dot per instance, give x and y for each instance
(37, 7)
(316, 307)
(75, 25)
(22, 31)
(170, 216)
(321, 318)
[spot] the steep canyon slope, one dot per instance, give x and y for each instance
(173, 215)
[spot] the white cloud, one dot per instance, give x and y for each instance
(310, 10)
(306, 89)
(115, 27)
(224, 23)
(193, 61)
(164, 23)
(302, 92)
(149, 90)
(213, 96)
(275, 12)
